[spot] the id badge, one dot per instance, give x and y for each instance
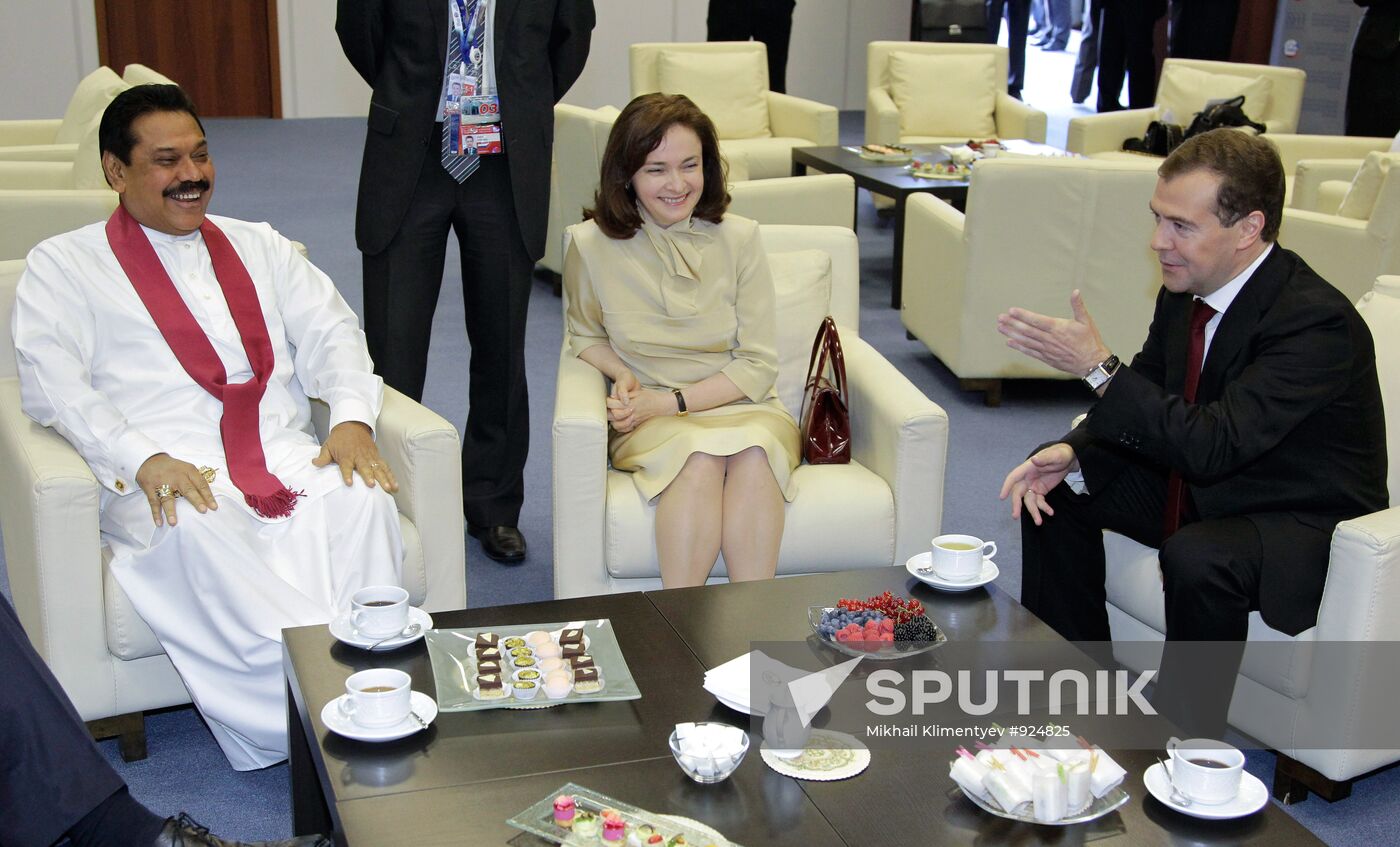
(484, 138)
(484, 109)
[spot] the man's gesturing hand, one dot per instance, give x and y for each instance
(1031, 480)
(1069, 345)
(351, 446)
(182, 477)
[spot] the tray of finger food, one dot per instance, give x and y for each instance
(1039, 784)
(892, 153)
(941, 169)
(529, 666)
(577, 816)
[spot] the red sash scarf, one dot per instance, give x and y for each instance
(247, 465)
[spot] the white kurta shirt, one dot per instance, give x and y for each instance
(94, 366)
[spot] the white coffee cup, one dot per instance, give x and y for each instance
(379, 611)
(958, 558)
(1205, 770)
(377, 697)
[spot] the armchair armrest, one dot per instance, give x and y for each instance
(36, 175)
(39, 153)
(1101, 133)
(794, 117)
(935, 272)
(1015, 119)
(1331, 194)
(580, 436)
(1341, 250)
(902, 436)
(881, 117)
(1293, 149)
(1311, 173)
(26, 132)
(817, 200)
(1363, 580)
(32, 216)
(426, 454)
(52, 546)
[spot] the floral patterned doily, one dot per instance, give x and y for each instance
(827, 756)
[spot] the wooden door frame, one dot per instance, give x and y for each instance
(274, 51)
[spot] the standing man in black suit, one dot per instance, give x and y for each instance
(766, 21)
(1018, 17)
(1373, 89)
(477, 164)
(1126, 49)
(1203, 29)
(1239, 469)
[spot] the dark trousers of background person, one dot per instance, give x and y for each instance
(401, 285)
(1210, 576)
(768, 21)
(1018, 14)
(1082, 79)
(1057, 36)
(1125, 47)
(1202, 29)
(1373, 89)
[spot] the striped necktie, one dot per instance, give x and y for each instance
(460, 167)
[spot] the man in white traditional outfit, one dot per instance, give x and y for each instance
(176, 351)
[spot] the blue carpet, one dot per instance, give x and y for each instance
(300, 175)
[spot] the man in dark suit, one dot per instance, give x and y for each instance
(1373, 88)
(1203, 29)
(766, 21)
(527, 54)
(1237, 470)
(55, 785)
(1125, 30)
(1018, 16)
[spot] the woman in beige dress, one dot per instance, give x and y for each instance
(671, 299)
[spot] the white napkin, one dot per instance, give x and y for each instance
(731, 680)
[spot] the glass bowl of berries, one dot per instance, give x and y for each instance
(882, 627)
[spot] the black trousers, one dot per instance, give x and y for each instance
(1087, 62)
(1203, 29)
(401, 286)
(52, 774)
(1125, 48)
(1018, 14)
(768, 21)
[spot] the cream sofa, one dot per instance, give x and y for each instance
(951, 93)
(1286, 698)
(41, 199)
(729, 81)
(57, 139)
(877, 511)
(81, 621)
(1035, 230)
(580, 135)
(1184, 88)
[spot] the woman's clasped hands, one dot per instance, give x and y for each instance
(630, 405)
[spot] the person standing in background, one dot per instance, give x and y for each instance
(1203, 29)
(479, 165)
(767, 21)
(1373, 90)
(1018, 15)
(1125, 48)
(1055, 36)
(1087, 62)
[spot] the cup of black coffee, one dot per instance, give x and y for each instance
(1205, 770)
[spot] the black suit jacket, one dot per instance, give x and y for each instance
(1287, 428)
(400, 47)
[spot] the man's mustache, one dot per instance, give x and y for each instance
(200, 185)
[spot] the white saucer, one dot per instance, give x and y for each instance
(1252, 797)
(423, 705)
(990, 571)
(346, 634)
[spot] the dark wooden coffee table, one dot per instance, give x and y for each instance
(458, 781)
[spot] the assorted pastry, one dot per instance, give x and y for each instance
(521, 667)
(610, 826)
(1047, 785)
(886, 152)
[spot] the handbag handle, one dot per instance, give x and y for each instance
(828, 343)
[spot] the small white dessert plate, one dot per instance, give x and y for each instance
(990, 572)
(1252, 797)
(339, 723)
(346, 634)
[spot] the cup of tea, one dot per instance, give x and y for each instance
(377, 697)
(958, 558)
(1205, 770)
(379, 611)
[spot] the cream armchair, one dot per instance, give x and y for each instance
(138, 74)
(936, 93)
(581, 134)
(1343, 704)
(728, 80)
(1036, 229)
(879, 510)
(81, 621)
(1362, 239)
(42, 199)
(57, 139)
(1273, 97)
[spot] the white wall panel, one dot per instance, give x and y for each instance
(46, 46)
(317, 79)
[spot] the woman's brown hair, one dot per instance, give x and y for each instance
(637, 132)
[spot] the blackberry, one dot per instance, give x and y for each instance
(916, 629)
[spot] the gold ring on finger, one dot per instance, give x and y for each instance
(164, 492)
(373, 465)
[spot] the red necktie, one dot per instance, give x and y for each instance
(1177, 495)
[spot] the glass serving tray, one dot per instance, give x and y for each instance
(885, 651)
(538, 819)
(454, 666)
(1097, 808)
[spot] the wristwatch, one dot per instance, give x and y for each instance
(680, 403)
(1102, 373)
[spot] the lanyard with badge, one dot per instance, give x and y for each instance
(473, 114)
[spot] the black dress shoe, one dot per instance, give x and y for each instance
(185, 831)
(503, 543)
